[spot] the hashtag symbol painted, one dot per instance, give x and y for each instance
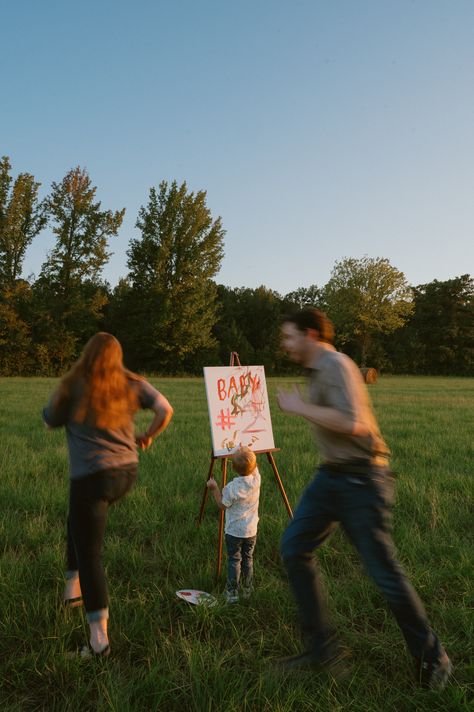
(225, 420)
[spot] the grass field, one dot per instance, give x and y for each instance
(167, 655)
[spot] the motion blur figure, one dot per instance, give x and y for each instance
(96, 402)
(354, 487)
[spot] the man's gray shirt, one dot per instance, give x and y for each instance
(336, 382)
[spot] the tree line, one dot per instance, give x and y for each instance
(168, 311)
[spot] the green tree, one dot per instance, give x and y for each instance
(69, 294)
(22, 217)
(229, 328)
(60, 328)
(124, 316)
(439, 337)
(15, 329)
(171, 267)
(365, 298)
(82, 231)
(249, 323)
(303, 297)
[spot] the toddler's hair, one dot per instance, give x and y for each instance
(244, 461)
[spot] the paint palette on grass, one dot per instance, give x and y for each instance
(198, 598)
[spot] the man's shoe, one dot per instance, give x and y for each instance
(336, 664)
(434, 674)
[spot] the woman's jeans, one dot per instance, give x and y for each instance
(362, 504)
(239, 559)
(89, 501)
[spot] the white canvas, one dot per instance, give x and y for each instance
(239, 411)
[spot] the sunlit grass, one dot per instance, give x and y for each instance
(171, 656)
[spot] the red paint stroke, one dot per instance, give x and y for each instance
(225, 421)
(232, 388)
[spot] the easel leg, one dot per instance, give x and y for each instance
(204, 496)
(271, 460)
(221, 522)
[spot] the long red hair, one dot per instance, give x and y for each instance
(108, 399)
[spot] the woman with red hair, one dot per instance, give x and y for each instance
(96, 402)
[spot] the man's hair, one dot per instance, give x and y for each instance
(312, 318)
(244, 461)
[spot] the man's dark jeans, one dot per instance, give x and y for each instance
(89, 501)
(362, 504)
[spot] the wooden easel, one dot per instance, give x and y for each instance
(234, 361)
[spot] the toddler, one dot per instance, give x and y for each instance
(239, 499)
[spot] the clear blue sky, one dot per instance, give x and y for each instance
(319, 128)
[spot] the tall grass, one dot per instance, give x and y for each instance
(167, 655)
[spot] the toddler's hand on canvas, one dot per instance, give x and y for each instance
(211, 483)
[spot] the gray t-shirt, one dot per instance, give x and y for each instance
(94, 449)
(336, 382)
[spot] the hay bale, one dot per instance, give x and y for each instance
(369, 375)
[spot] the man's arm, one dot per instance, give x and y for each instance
(330, 418)
(163, 414)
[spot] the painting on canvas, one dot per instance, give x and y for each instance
(239, 411)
